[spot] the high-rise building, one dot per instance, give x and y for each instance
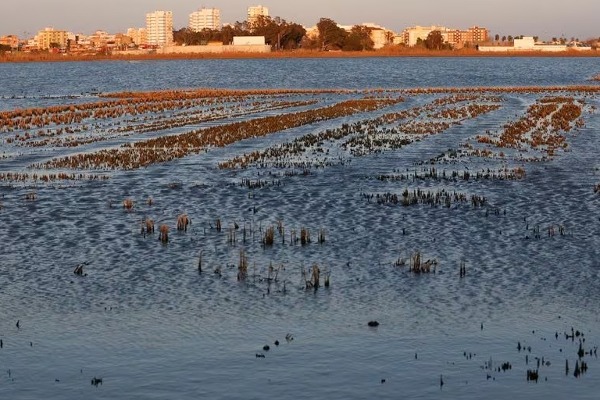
(205, 18)
(159, 28)
(255, 11)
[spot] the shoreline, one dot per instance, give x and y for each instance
(405, 53)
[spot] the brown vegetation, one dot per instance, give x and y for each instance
(390, 51)
(166, 148)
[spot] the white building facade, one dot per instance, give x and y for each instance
(205, 18)
(256, 11)
(159, 28)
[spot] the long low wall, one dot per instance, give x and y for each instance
(214, 49)
(544, 48)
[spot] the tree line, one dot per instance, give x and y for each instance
(283, 35)
(278, 33)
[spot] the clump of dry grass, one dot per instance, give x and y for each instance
(321, 238)
(128, 204)
(182, 222)
(148, 226)
(315, 275)
(304, 236)
(269, 236)
(417, 266)
(242, 266)
(163, 233)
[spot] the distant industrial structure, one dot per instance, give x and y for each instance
(205, 18)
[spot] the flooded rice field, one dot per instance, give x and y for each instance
(168, 238)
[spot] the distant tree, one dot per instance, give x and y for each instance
(54, 45)
(389, 37)
(535, 38)
(292, 36)
(554, 39)
(310, 43)
(278, 32)
(504, 38)
(331, 36)
(267, 27)
(497, 37)
(359, 39)
(4, 48)
(435, 40)
(510, 38)
(229, 31)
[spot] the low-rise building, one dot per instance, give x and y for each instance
(528, 43)
(455, 37)
(248, 40)
(10, 40)
(51, 38)
(241, 44)
(139, 36)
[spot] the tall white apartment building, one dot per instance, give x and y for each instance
(255, 11)
(205, 18)
(159, 28)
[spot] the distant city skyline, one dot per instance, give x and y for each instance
(576, 18)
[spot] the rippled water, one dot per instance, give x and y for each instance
(146, 322)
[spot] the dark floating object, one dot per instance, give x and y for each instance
(18, 324)
(96, 381)
(260, 355)
(277, 343)
(441, 381)
(373, 324)
(289, 337)
(383, 381)
(266, 347)
(79, 269)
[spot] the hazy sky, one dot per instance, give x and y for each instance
(578, 18)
